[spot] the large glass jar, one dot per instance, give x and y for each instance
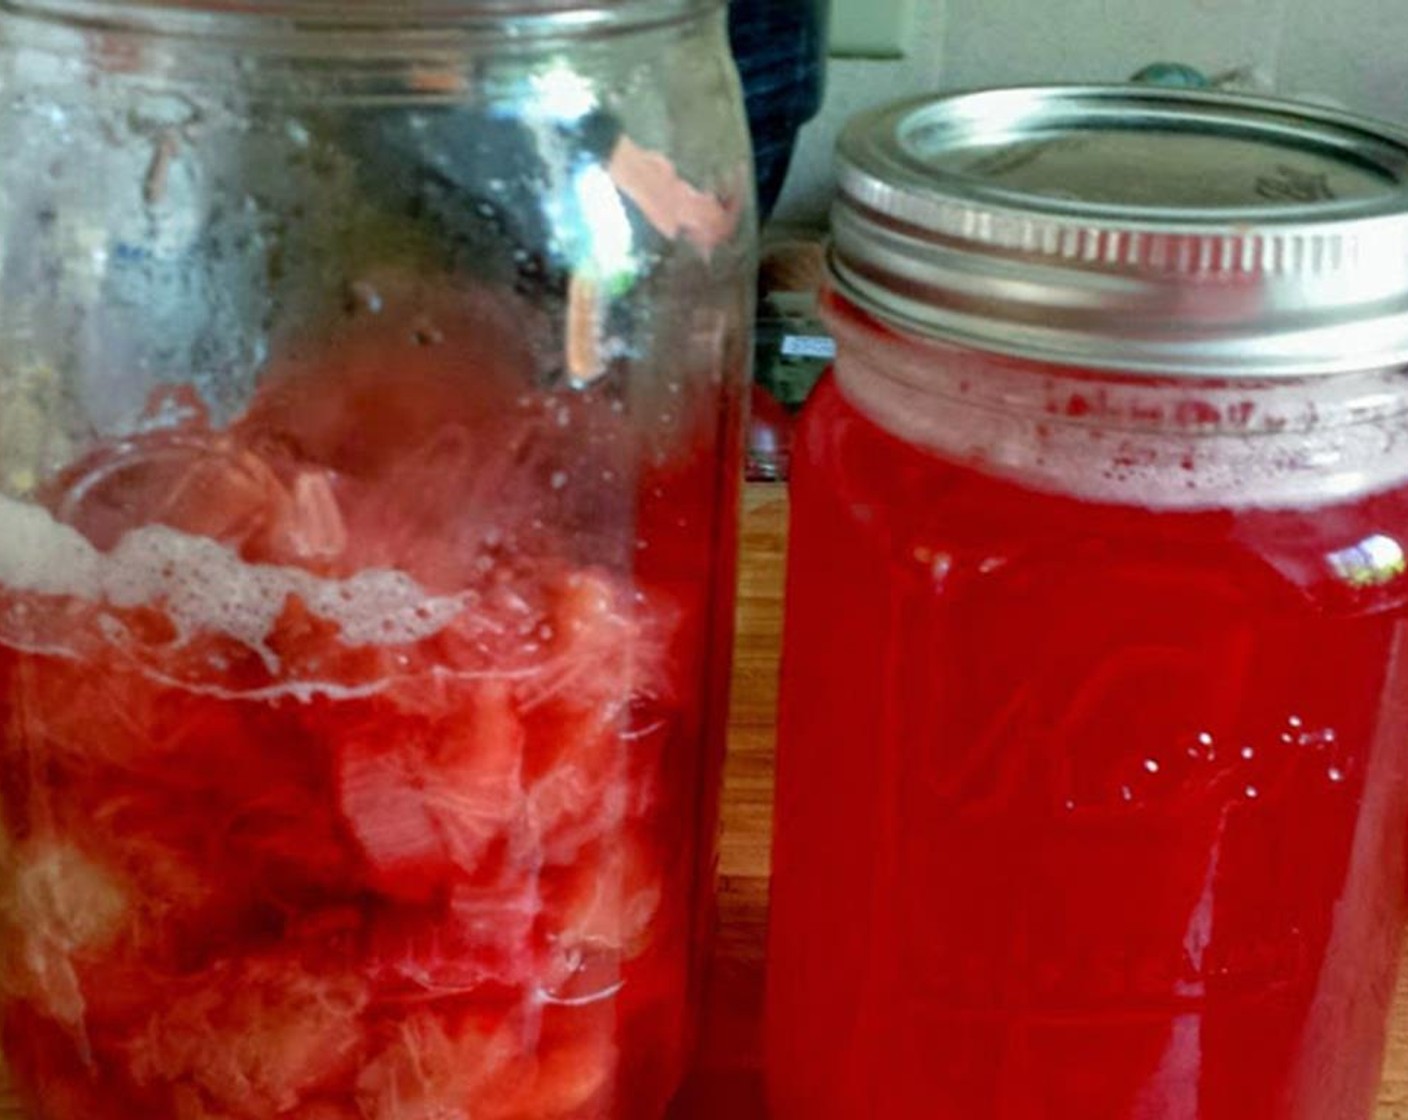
(1094, 748)
(370, 382)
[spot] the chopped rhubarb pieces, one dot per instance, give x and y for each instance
(59, 907)
(323, 769)
(309, 528)
(384, 801)
(256, 1039)
(563, 1084)
(57, 1077)
(476, 937)
(115, 716)
(426, 1071)
(599, 653)
(582, 795)
(202, 484)
(607, 900)
(426, 804)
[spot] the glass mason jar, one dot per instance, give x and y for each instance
(1094, 748)
(370, 382)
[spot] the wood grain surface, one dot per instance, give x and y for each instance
(729, 1083)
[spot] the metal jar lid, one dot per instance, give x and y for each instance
(1149, 230)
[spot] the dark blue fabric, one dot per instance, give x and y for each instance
(780, 46)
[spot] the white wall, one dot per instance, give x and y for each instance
(1353, 51)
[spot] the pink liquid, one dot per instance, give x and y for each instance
(1087, 811)
(356, 758)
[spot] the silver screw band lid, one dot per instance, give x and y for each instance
(1131, 228)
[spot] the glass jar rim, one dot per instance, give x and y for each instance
(283, 22)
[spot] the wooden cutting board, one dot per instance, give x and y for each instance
(729, 1085)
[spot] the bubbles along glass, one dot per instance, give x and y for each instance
(370, 378)
(1094, 762)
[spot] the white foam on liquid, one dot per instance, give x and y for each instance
(204, 588)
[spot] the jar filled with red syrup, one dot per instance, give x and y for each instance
(1094, 741)
(371, 381)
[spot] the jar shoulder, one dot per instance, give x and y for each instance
(856, 487)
